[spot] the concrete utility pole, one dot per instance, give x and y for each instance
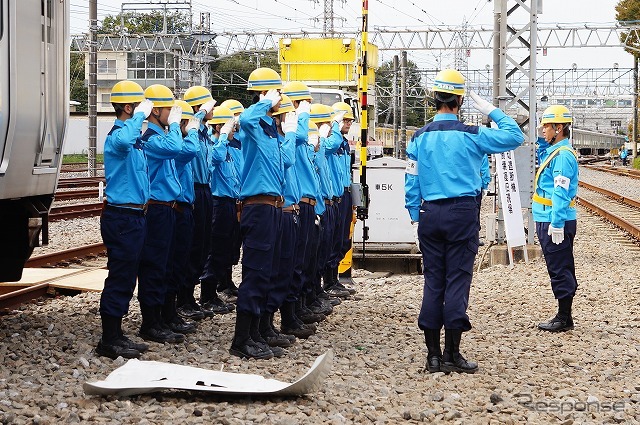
(394, 101)
(634, 131)
(93, 87)
(403, 105)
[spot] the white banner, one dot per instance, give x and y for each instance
(510, 198)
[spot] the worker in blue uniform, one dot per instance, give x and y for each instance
(179, 257)
(282, 282)
(227, 289)
(624, 156)
(342, 157)
(485, 179)
(161, 147)
(261, 194)
(554, 211)
(123, 222)
(225, 187)
(201, 102)
(442, 182)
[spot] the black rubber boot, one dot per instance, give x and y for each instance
(242, 345)
(434, 355)
(306, 315)
(291, 324)
(257, 337)
(172, 320)
(111, 345)
(140, 346)
(272, 338)
(452, 360)
(153, 329)
(563, 320)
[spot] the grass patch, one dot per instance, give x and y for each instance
(74, 158)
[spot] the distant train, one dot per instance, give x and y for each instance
(34, 99)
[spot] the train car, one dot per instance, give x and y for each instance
(34, 108)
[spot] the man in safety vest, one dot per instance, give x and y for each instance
(556, 186)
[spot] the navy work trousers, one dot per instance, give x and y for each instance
(559, 259)
(180, 255)
(326, 237)
(282, 285)
(448, 233)
(123, 233)
(200, 240)
(161, 221)
(260, 227)
(303, 249)
(346, 215)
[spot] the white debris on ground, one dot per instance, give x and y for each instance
(588, 375)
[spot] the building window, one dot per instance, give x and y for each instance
(154, 66)
(105, 100)
(106, 66)
(616, 124)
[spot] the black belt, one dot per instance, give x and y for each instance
(456, 200)
(347, 189)
(224, 199)
(337, 199)
(201, 186)
(124, 210)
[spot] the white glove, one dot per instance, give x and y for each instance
(175, 115)
(415, 234)
(273, 96)
(314, 140)
(303, 106)
(208, 106)
(193, 124)
(324, 130)
(145, 107)
(481, 105)
(339, 116)
(290, 122)
(557, 234)
(236, 118)
(228, 126)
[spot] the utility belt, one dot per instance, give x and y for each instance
(310, 201)
(293, 208)
(171, 204)
(139, 210)
(546, 201)
(275, 201)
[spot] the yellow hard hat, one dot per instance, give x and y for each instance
(297, 90)
(449, 81)
(344, 106)
(127, 92)
(556, 114)
(264, 79)
(221, 114)
(235, 106)
(197, 95)
(285, 105)
(313, 128)
(161, 96)
(187, 110)
(320, 113)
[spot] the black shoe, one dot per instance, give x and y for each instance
(334, 291)
(458, 364)
(346, 288)
(116, 349)
(161, 335)
(142, 347)
(217, 306)
(557, 324)
(249, 349)
(191, 311)
(228, 296)
(320, 307)
(433, 364)
(334, 301)
(180, 326)
(299, 331)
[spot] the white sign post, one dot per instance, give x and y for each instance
(510, 202)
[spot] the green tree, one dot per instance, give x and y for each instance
(416, 101)
(145, 23)
(230, 74)
(77, 90)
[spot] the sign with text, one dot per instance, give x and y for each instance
(510, 198)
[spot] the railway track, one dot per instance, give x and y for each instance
(615, 208)
(76, 194)
(619, 171)
(69, 212)
(80, 182)
(66, 255)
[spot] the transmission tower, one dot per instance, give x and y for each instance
(328, 17)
